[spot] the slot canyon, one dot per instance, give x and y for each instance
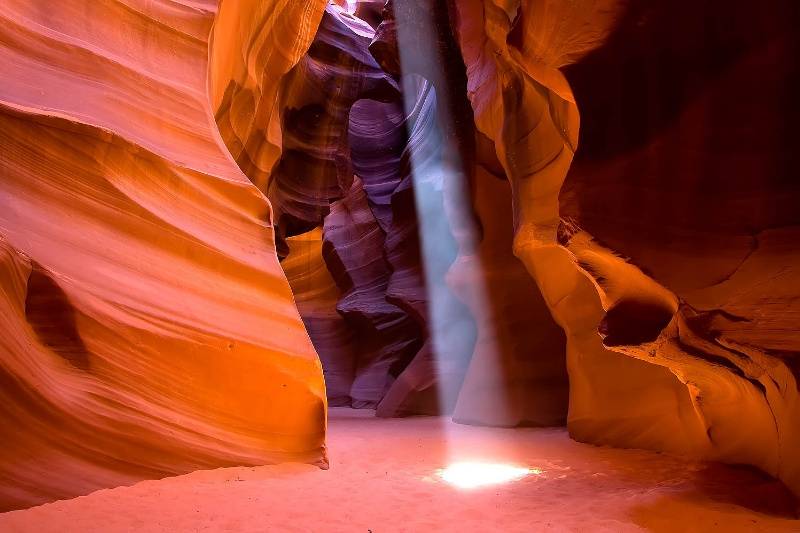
(404, 265)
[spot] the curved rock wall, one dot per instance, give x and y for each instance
(707, 180)
(253, 47)
(314, 168)
(419, 260)
(380, 156)
(331, 104)
(700, 378)
(147, 327)
(141, 293)
(316, 295)
(387, 336)
(516, 374)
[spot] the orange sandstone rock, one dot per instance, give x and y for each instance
(146, 326)
(699, 378)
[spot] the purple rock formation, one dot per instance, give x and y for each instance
(316, 96)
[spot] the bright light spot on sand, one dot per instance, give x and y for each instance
(471, 475)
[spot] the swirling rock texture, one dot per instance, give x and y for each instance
(426, 381)
(314, 168)
(313, 184)
(430, 382)
(353, 135)
(708, 181)
(317, 295)
(517, 371)
(525, 107)
(671, 241)
(354, 244)
(245, 75)
(146, 327)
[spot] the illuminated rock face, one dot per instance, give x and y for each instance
(316, 294)
(363, 151)
(315, 98)
(146, 327)
(317, 182)
(516, 374)
(666, 258)
(708, 182)
(672, 335)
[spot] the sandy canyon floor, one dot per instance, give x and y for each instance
(384, 476)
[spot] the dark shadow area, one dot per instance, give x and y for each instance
(692, 103)
(747, 487)
(632, 322)
(52, 317)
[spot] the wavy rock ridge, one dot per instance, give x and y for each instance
(147, 328)
(696, 377)
(657, 355)
(364, 148)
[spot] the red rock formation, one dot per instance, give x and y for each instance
(379, 141)
(524, 105)
(517, 375)
(699, 380)
(146, 328)
(245, 75)
(386, 334)
(314, 175)
(720, 236)
(407, 173)
(316, 295)
(315, 98)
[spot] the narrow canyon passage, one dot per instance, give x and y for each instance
(399, 265)
(396, 234)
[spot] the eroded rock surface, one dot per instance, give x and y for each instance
(146, 327)
(651, 247)
(443, 248)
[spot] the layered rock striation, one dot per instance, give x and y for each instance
(653, 242)
(452, 240)
(147, 328)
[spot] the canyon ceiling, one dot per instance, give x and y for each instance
(219, 217)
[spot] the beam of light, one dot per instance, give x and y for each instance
(348, 6)
(471, 475)
(447, 176)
